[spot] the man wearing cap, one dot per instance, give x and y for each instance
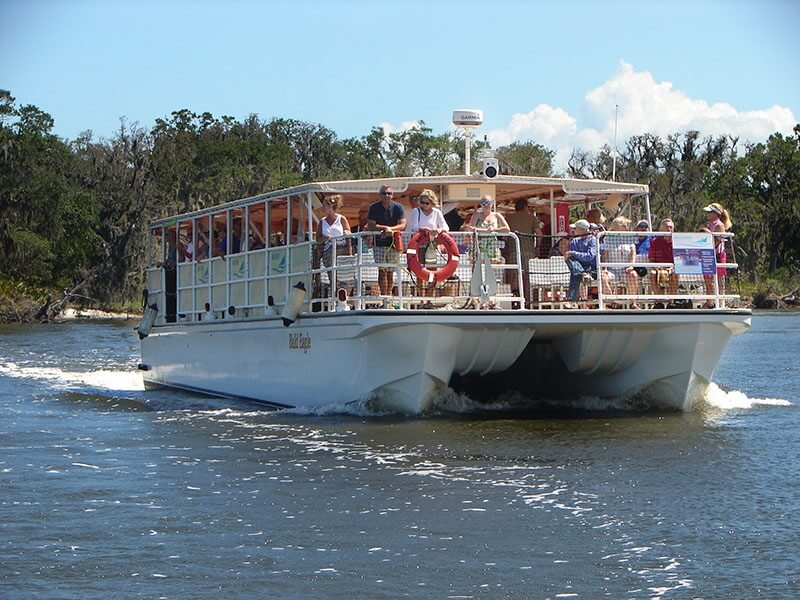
(581, 257)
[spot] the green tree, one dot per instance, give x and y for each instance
(525, 158)
(46, 219)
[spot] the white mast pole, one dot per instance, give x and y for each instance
(614, 162)
(467, 158)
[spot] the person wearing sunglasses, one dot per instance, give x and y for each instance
(427, 216)
(332, 229)
(486, 219)
(387, 217)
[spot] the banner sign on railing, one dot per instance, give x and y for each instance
(693, 253)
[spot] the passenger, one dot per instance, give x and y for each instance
(236, 236)
(388, 217)
(642, 246)
(186, 248)
(528, 228)
(363, 217)
(332, 229)
(620, 248)
(455, 219)
(413, 203)
(255, 241)
(171, 258)
(219, 238)
(522, 220)
(581, 257)
(560, 244)
(596, 219)
(547, 235)
(202, 242)
(661, 252)
(488, 220)
(428, 217)
(171, 276)
(719, 221)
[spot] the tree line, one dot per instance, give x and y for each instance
(74, 213)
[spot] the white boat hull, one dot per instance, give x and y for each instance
(402, 358)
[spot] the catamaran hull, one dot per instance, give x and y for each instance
(665, 362)
(401, 359)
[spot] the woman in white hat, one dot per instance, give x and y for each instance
(719, 221)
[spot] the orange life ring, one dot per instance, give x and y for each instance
(453, 256)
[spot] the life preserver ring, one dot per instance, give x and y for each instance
(412, 257)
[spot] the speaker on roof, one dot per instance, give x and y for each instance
(490, 168)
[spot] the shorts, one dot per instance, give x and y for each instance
(386, 254)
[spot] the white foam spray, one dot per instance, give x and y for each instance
(130, 381)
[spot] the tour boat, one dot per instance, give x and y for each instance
(238, 304)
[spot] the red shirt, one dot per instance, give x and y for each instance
(660, 249)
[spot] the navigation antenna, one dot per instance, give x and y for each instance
(469, 119)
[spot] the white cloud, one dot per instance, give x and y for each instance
(404, 126)
(645, 106)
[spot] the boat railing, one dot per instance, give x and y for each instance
(494, 270)
(622, 278)
(694, 277)
(250, 283)
(358, 273)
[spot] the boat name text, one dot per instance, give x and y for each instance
(300, 341)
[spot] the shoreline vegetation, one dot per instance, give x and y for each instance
(74, 213)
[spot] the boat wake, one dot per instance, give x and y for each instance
(721, 399)
(101, 380)
(447, 401)
(113, 383)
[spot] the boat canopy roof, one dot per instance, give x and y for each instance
(505, 189)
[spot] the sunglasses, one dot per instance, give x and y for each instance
(424, 201)
(486, 203)
(387, 193)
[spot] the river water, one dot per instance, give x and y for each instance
(110, 491)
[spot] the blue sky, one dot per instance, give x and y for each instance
(547, 71)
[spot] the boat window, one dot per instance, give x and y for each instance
(236, 219)
(299, 220)
(170, 256)
(219, 233)
(201, 239)
(185, 244)
(156, 246)
(277, 222)
(256, 218)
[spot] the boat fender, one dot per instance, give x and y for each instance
(232, 310)
(421, 238)
(148, 318)
(270, 310)
(397, 241)
(292, 307)
(208, 315)
(143, 367)
(341, 300)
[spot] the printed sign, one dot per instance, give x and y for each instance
(693, 253)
